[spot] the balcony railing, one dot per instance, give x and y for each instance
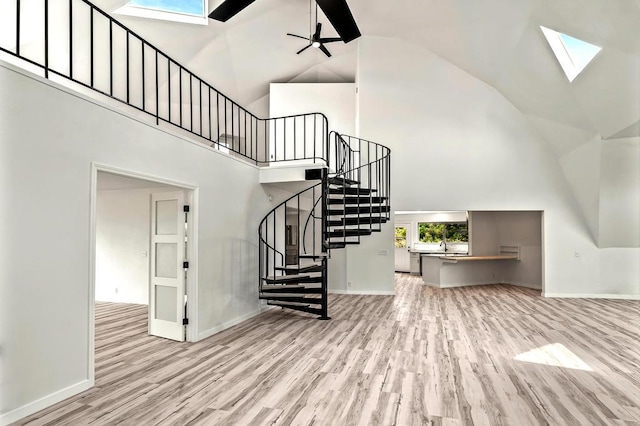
(77, 43)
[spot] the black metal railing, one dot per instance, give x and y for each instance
(291, 230)
(368, 165)
(303, 225)
(75, 41)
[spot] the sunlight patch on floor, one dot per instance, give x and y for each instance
(555, 354)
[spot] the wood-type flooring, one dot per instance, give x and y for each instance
(485, 355)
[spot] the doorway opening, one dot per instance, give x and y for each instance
(143, 269)
(465, 248)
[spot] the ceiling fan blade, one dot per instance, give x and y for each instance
(296, 35)
(303, 49)
(329, 39)
(318, 29)
(228, 9)
(339, 14)
(324, 50)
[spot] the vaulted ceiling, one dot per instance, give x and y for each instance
(497, 41)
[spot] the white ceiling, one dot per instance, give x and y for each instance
(497, 41)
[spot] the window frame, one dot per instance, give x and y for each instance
(164, 15)
(444, 234)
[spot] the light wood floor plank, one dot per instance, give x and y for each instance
(487, 355)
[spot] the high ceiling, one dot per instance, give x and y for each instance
(497, 41)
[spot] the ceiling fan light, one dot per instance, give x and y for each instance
(315, 44)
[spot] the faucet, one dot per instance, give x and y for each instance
(445, 245)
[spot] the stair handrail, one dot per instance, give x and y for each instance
(245, 135)
(263, 240)
(360, 162)
(310, 216)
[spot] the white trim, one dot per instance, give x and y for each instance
(364, 292)
(592, 296)
(454, 285)
(78, 91)
(100, 167)
(93, 195)
(44, 402)
(149, 13)
(193, 198)
(526, 285)
(217, 329)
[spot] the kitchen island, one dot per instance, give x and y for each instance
(447, 271)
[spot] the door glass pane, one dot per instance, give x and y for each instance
(166, 260)
(401, 237)
(166, 217)
(166, 306)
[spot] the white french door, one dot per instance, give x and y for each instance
(166, 295)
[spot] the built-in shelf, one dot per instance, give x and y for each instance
(510, 250)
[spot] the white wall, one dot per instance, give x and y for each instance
(620, 193)
(605, 178)
(48, 140)
(457, 143)
(582, 170)
(484, 239)
(370, 264)
(337, 101)
(337, 278)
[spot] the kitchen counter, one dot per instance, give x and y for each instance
(444, 271)
(416, 259)
(457, 258)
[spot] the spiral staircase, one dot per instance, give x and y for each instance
(350, 201)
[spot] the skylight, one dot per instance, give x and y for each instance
(573, 54)
(189, 7)
(188, 11)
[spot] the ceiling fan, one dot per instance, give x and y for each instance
(337, 11)
(316, 41)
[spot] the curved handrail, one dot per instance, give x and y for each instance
(268, 249)
(367, 163)
(306, 224)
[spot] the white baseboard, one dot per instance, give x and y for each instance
(592, 296)
(466, 284)
(42, 403)
(231, 323)
(365, 292)
(526, 285)
(454, 285)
